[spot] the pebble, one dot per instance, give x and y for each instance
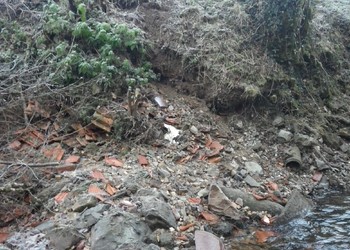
(251, 181)
(345, 147)
(239, 201)
(253, 167)
(194, 130)
(278, 121)
(286, 135)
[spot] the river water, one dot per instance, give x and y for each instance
(327, 226)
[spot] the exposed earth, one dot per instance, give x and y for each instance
(230, 160)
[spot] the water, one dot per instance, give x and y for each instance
(326, 227)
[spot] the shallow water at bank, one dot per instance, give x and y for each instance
(327, 226)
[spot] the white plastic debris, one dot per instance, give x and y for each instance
(172, 133)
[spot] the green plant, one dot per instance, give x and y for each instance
(82, 11)
(57, 22)
(112, 55)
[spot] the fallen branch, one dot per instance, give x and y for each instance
(338, 118)
(33, 165)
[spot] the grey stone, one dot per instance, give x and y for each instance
(305, 140)
(253, 167)
(332, 140)
(118, 229)
(3, 247)
(63, 237)
(234, 164)
(257, 146)
(286, 135)
(45, 226)
(163, 173)
(251, 181)
(297, 206)
(194, 130)
(131, 184)
(163, 238)
(91, 216)
(138, 246)
(321, 165)
(278, 121)
(27, 241)
(345, 148)
(344, 133)
(243, 172)
(272, 208)
(150, 192)
(233, 172)
(84, 201)
(158, 214)
(222, 228)
(239, 201)
(239, 125)
(52, 190)
(203, 193)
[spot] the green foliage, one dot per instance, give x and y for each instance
(13, 35)
(82, 30)
(112, 55)
(57, 22)
(82, 12)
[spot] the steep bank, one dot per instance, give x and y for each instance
(238, 109)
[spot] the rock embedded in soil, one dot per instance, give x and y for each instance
(332, 140)
(297, 205)
(278, 121)
(345, 147)
(251, 181)
(118, 228)
(321, 165)
(91, 216)
(26, 241)
(63, 237)
(344, 133)
(52, 190)
(253, 167)
(305, 140)
(194, 130)
(157, 213)
(163, 238)
(272, 208)
(83, 202)
(45, 226)
(136, 246)
(222, 228)
(285, 135)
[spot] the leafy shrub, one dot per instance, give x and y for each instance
(112, 55)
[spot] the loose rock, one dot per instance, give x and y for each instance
(158, 214)
(253, 167)
(64, 237)
(91, 216)
(83, 202)
(251, 181)
(285, 135)
(162, 237)
(118, 228)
